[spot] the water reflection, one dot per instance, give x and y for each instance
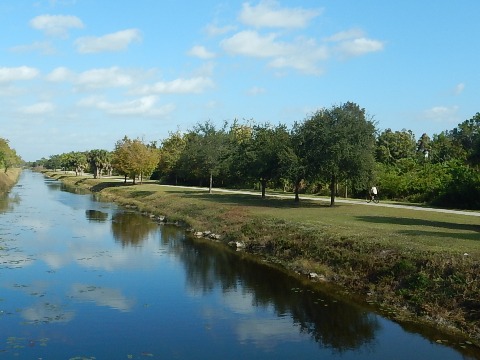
(131, 229)
(88, 274)
(101, 296)
(330, 323)
(8, 201)
(96, 215)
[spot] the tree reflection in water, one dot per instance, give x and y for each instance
(131, 229)
(7, 202)
(95, 215)
(332, 324)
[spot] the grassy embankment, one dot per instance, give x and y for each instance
(8, 179)
(422, 266)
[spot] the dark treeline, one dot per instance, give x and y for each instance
(337, 151)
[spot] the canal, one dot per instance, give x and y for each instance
(86, 279)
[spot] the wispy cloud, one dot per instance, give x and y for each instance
(192, 85)
(44, 47)
(8, 74)
(144, 106)
(268, 13)
(61, 74)
(442, 114)
(56, 25)
(117, 41)
(256, 91)
(103, 78)
(201, 52)
(38, 108)
(301, 54)
(305, 54)
(353, 42)
(214, 30)
(459, 88)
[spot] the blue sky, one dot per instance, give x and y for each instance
(78, 75)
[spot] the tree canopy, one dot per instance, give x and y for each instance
(334, 149)
(341, 144)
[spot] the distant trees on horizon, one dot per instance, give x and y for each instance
(336, 151)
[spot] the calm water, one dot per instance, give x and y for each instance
(83, 279)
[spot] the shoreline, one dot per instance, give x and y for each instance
(8, 179)
(237, 224)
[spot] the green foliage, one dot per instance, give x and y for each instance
(170, 151)
(99, 160)
(332, 151)
(134, 158)
(260, 156)
(340, 145)
(462, 190)
(393, 146)
(8, 155)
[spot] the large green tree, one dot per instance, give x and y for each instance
(135, 158)
(294, 164)
(204, 152)
(260, 158)
(340, 143)
(170, 151)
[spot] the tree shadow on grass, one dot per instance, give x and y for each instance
(251, 200)
(108, 184)
(420, 222)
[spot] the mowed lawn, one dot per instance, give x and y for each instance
(406, 228)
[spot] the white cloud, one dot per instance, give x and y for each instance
(56, 25)
(256, 91)
(346, 35)
(250, 43)
(60, 74)
(214, 30)
(442, 114)
(301, 54)
(8, 74)
(38, 108)
(103, 78)
(268, 14)
(193, 85)
(459, 88)
(43, 47)
(117, 41)
(359, 46)
(145, 106)
(201, 52)
(353, 42)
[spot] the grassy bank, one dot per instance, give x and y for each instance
(8, 179)
(417, 264)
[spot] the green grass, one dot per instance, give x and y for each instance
(413, 261)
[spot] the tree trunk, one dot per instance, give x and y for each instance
(125, 181)
(297, 186)
(263, 182)
(333, 181)
(211, 184)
